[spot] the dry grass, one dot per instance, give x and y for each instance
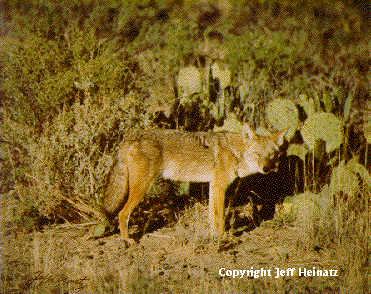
(183, 259)
(77, 94)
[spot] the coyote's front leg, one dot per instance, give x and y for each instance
(217, 191)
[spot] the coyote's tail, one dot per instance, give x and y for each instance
(116, 189)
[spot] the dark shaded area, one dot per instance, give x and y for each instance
(32, 219)
(263, 192)
(156, 212)
(365, 157)
(190, 117)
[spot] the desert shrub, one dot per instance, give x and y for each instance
(268, 65)
(161, 50)
(337, 218)
(67, 102)
(35, 84)
(77, 76)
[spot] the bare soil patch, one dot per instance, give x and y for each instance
(178, 259)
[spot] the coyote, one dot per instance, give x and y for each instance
(216, 158)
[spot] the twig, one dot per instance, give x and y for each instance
(74, 225)
(156, 235)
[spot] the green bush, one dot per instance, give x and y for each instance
(67, 104)
(77, 75)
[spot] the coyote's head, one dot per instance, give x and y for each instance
(261, 153)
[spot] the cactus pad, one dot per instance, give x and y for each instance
(325, 126)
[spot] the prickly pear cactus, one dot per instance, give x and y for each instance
(298, 150)
(282, 114)
(262, 131)
(189, 80)
(308, 104)
(307, 207)
(325, 126)
(222, 74)
(231, 124)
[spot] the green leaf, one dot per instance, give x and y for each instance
(320, 149)
(328, 102)
(341, 95)
(307, 104)
(347, 107)
(99, 230)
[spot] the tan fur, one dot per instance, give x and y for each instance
(216, 158)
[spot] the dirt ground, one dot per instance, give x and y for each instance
(180, 258)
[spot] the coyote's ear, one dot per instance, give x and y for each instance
(247, 131)
(279, 137)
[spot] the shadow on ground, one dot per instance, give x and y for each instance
(261, 192)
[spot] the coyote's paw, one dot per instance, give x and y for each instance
(129, 242)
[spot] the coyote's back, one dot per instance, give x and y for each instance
(216, 158)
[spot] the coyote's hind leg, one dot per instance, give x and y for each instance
(142, 172)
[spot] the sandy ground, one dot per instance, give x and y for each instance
(180, 258)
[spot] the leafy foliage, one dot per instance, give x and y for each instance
(66, 103)
(78, 75)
